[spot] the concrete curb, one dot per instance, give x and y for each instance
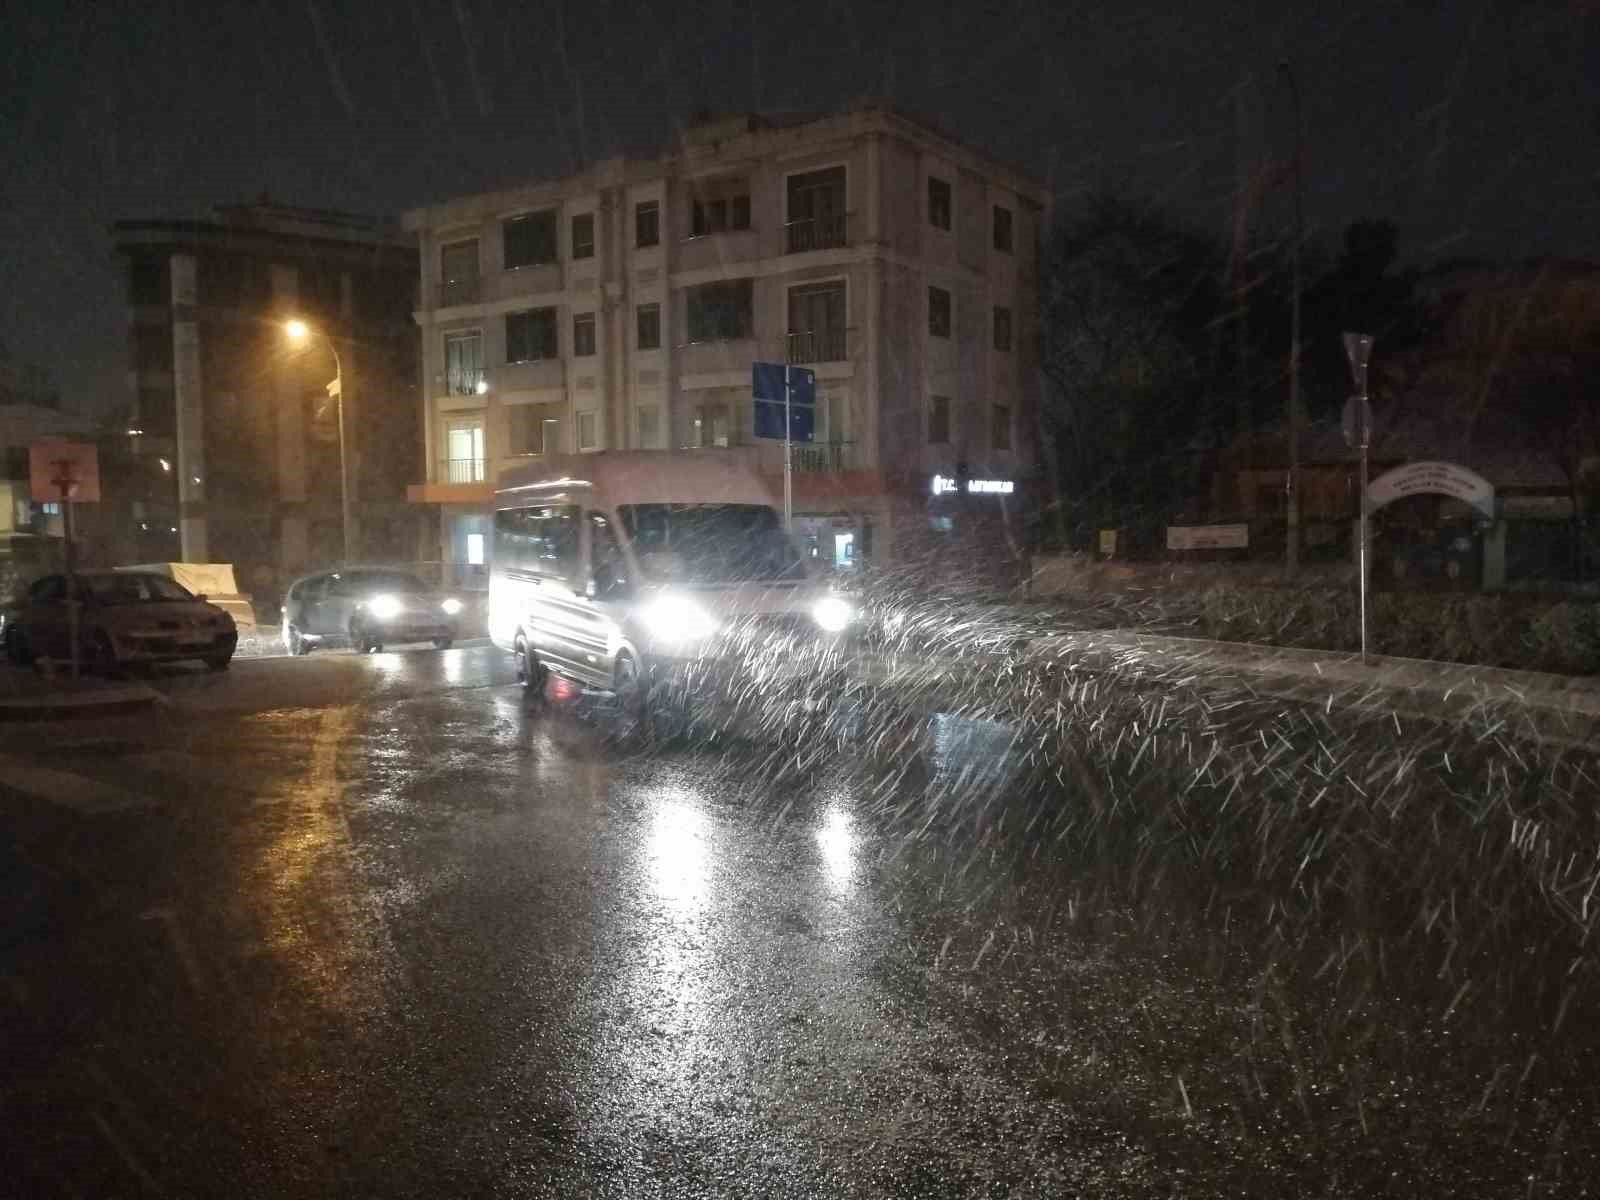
(96, 702)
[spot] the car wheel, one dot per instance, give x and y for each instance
(218, 662)
(297, 642)
(103, 654)
(531, 673)
(632, 690)
(17, 648)
(442, 643)
(360, 640)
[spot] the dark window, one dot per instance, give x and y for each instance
(719, 312)
(541, 540)
(817, 218)
(938, 312)
(647, 223)
(938, 203)
(531, 335)
(711, 425)
(938, 420)
(649, 326)
(817, 323)
(720, 208)
(710, 543)
(1002, 229)
(147, 283)
(608, 568)
(458, 261)
(1000, 427)
(535, 428)
(583, 236)
(1002, 327)
(463, 362)
(530, 240)
(583, 335)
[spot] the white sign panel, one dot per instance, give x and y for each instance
(975, 487)
(1208, 537)
(1437, 478)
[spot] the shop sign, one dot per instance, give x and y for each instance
(1438, 478)
(1208, 537)
(975, 487)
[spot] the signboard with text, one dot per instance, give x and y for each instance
(1437, 478)
(1208, 537)
(62, 469)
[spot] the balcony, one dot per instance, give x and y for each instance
(815, 346)
(464, 381)
(823, 458)
(460, 470)
(460, 291)
(817, 233)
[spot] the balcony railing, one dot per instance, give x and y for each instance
(824, 458)
(818, 345)
(466, 381)
(460, 291)
(461, 470)
(818, 233)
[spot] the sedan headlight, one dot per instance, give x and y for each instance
(832, 613)
(451, 607)
(385, 607)
(678, 619)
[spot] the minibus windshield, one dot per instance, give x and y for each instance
(710, 543)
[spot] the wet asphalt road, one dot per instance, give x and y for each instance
(368, 926)
(364, 926)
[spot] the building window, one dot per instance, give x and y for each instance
(531, 335)
(647, 419)
(535, 428)
(530, 240)
(583, 235)
(458, 272)
(938, 203)
(1002, 229)
(147, 283)
(583, 335)
(720, 312)
(588, 431)
(1002, 327)
(711, 425)
(463, 363)
(463, 452)
(938, 312)
(938, 420)
(1000, 427)
(817, 323)
(718, 206)
(648, 322)
(817, 218)
(647, 223)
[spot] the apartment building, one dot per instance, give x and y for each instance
(622, 308)
(234, 427)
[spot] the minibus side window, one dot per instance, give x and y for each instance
(540, 540)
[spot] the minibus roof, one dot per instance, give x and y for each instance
(611, 478)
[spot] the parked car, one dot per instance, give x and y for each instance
(126, 617)
(366, 608)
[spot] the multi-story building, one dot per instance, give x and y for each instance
(622, 308)
(235, 426)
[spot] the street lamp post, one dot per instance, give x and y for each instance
(300, 332)
(1358, 429)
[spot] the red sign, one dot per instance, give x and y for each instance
(57, 465)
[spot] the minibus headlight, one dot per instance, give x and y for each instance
(451, 606)
(673, 618)
(832, 613)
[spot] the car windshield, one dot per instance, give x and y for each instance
(133, 589)
(710, 543)
(363, 582)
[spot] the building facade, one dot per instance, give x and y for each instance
(622, 308)
(234, 429)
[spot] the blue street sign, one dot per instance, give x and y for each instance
(767, 388)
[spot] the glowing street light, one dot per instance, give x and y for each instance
(299, 333)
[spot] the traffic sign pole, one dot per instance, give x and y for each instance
(69, 550)
(788, 452)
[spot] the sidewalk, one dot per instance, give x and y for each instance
(1561, 706)
(27, 694)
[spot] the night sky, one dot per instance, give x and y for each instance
(1474, 124)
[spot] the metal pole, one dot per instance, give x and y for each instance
(1365, 658)
(1292, 548)
(344, 473)
(71, 557)
(1358, 349)
(788, 457)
